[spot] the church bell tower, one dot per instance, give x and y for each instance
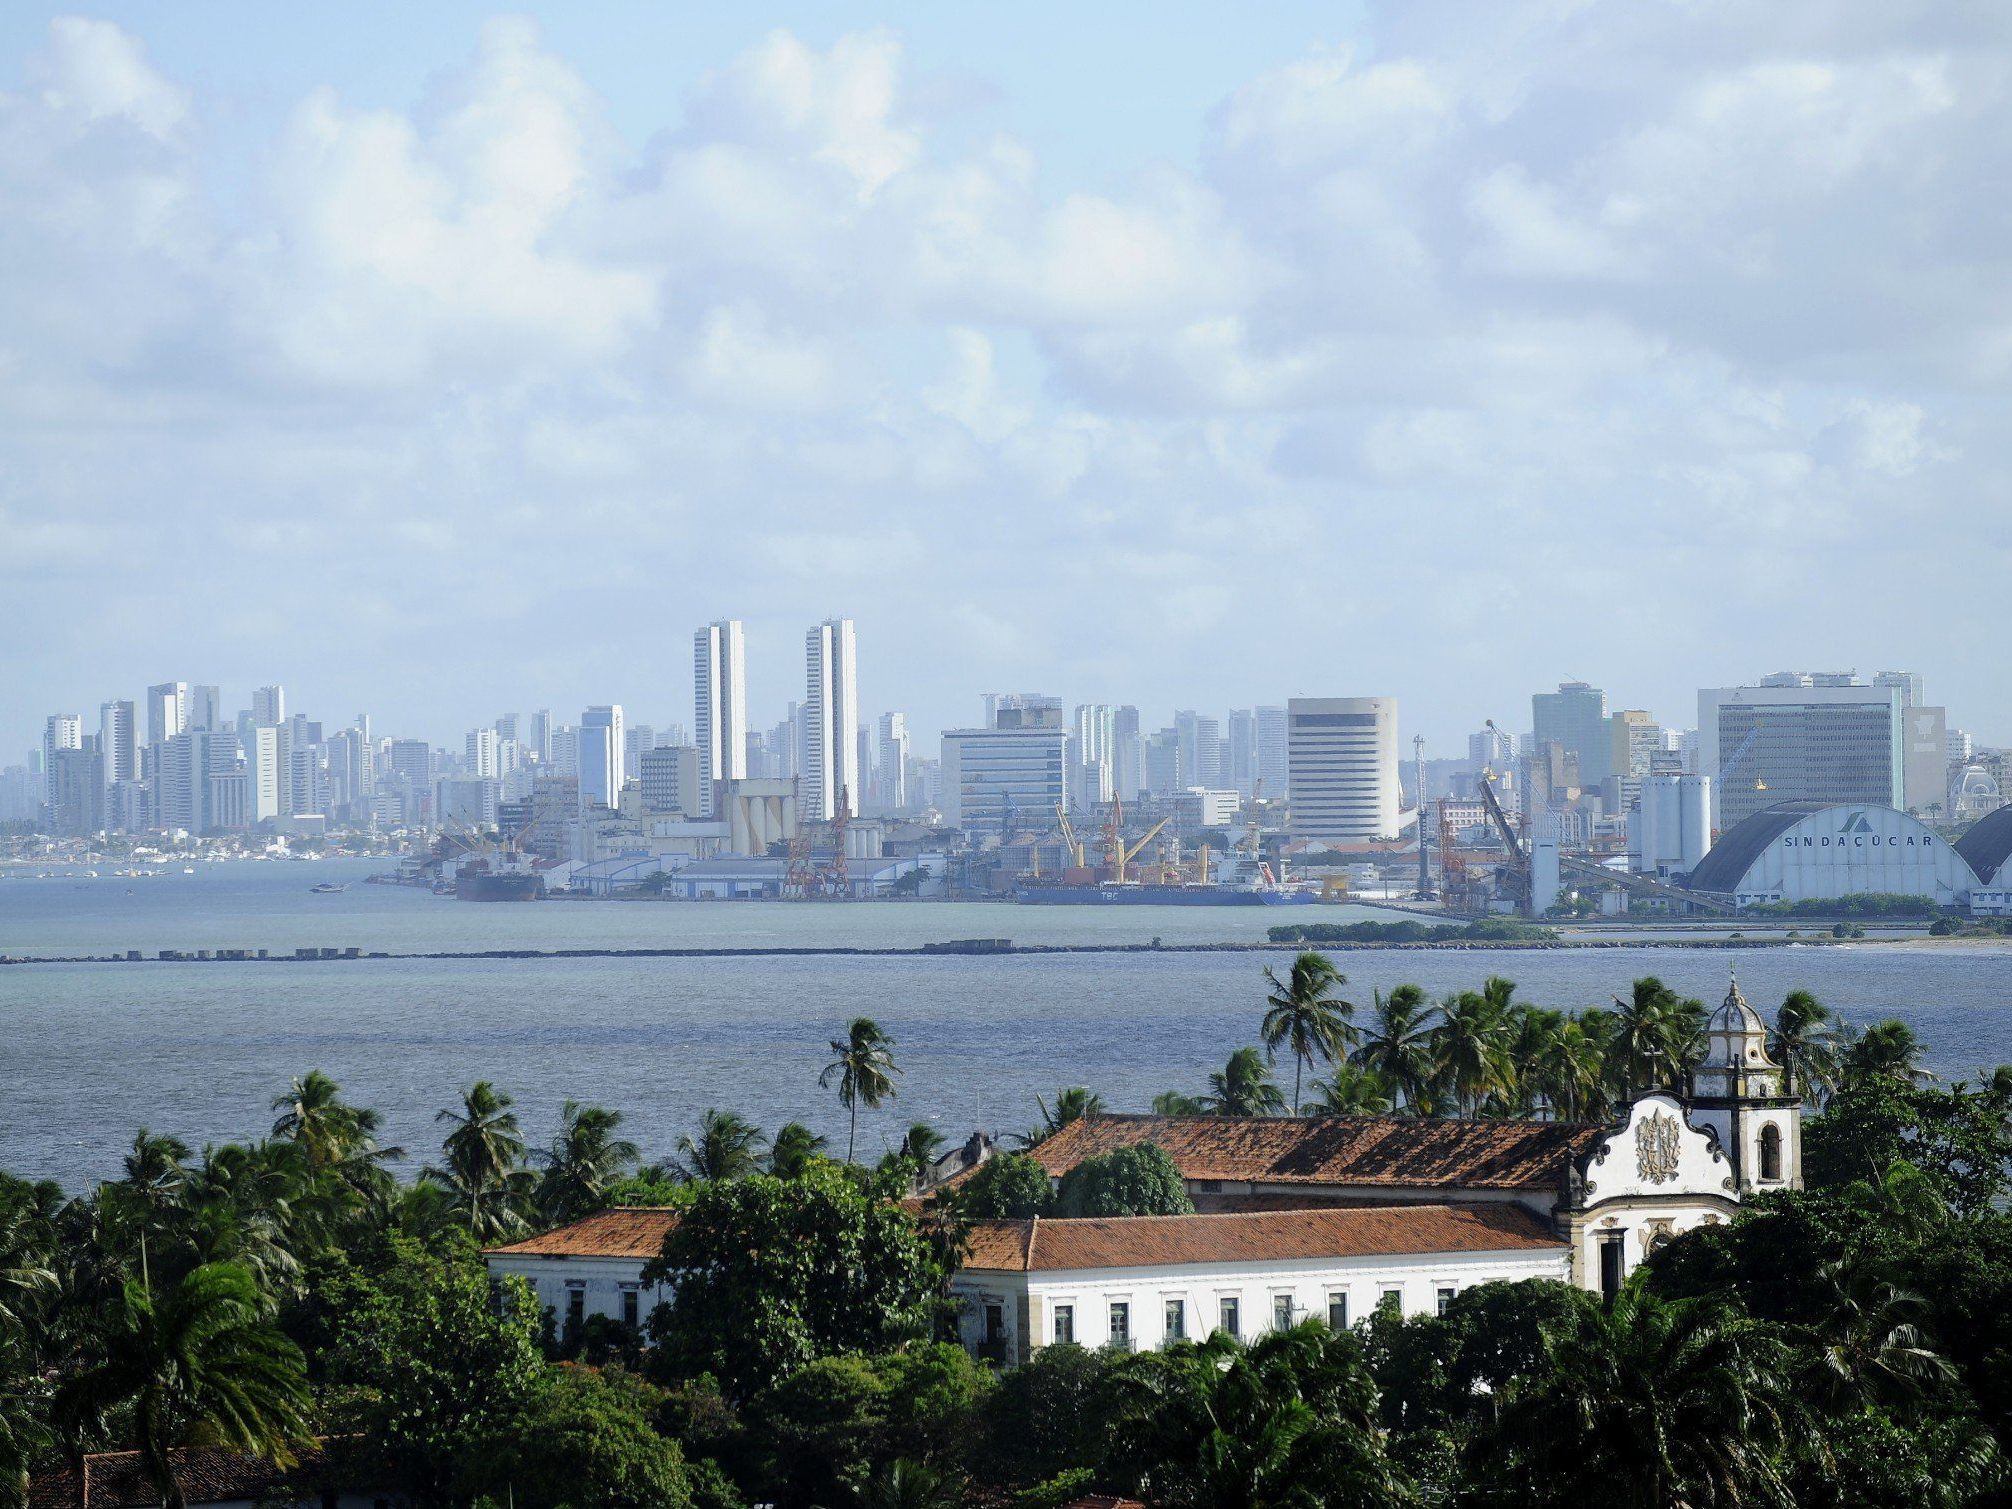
(1747, 1099)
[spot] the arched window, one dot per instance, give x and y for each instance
(1770, 1151)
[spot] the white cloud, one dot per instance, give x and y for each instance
(98, 71)
(1532, 291)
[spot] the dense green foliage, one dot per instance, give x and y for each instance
(1849, 1344)
(1131, 1181)
(771, 1274)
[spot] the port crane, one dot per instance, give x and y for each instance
(1117, 853)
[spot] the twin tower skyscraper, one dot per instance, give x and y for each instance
(827, 753)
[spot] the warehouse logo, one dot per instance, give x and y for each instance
(1857, 833)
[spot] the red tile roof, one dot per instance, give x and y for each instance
(1416, 1152)
(1068, 1246)
(632, 1231)
(118, 1479)
(1103, 1501)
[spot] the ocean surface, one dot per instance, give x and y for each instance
(89, 1052)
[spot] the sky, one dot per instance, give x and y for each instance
(440, 361)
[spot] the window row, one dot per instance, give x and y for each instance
(1286, 1313)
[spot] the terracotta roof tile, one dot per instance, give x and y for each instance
(1416, 1152)
(1068, 1246)
(632, 1231)
(1102, 1501)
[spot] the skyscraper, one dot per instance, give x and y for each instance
(1201, 749)
(1241, 742)
(269, 706)
(1271, 750)
(541, 735)
(719, 708)
(206, 708)
(1093, 763)
(831, 719)
(62, 731)
(167, 711)
(1810, 742)
(600, 756)
(119, 742)
(1575, 717)
(893, 761)
(481, 755)
(1342, 767)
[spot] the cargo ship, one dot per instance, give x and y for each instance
(502, 878)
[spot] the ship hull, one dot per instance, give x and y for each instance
(488, 887)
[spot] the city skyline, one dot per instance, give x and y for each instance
(1017, 355)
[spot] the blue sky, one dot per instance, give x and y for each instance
(441, 361)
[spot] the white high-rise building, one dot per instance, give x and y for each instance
(1341, 767)
(600, 756)
(893, 761)
(483, 757)
(269, 707)
(62, 731)
(119, 739)
(167, 711)
(1093, 771)
(831, 720)
(263, 770)
(719, 707)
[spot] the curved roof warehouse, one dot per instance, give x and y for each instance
(1806, 850)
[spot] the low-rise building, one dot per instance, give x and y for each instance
(1146, 1281)
(594, 1266)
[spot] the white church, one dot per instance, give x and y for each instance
(1315, 1216)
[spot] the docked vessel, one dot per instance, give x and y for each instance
(498, 878)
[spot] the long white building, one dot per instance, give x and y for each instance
(720, 718)
(831, 719)
(1341, 768)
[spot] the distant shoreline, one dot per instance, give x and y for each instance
(948, 950)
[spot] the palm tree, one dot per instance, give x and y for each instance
(728, 1147)
(1653, 1402)
(484, 1153)
(1350, 1091)
(1397, 1044)
(202, 1361)
(1072, 1103)
(1872, 1342)
(1652, 1043)
(1471, 1048)
(584, 1159)
(1177, 1103)
(1532, 1033)
(1885, 1050)
(1804, 1042)
(1305, 1015)
(1572, 1070)
(863, 1064)
(908, 1484)
(794, 1146)
(155, 1172)
(1243, 1087)
(921, 1145)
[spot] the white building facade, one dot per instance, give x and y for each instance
(1341, 759)
(831, 720)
